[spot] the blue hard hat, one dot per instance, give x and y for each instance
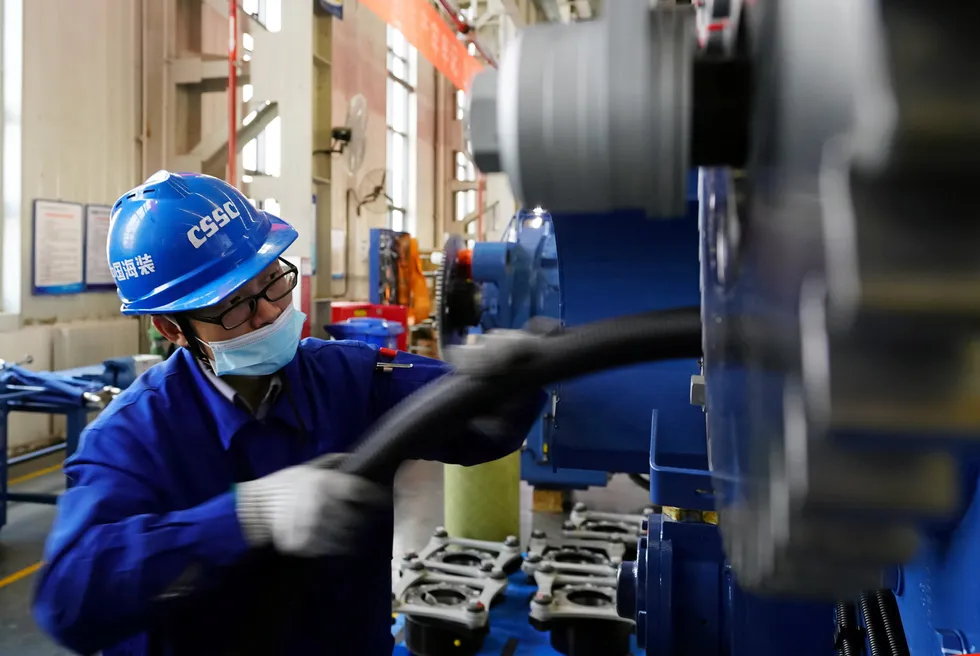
(185, 241)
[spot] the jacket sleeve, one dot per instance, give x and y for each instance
(484, 439)
(111, 553)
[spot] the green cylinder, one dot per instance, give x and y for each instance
(484, 502)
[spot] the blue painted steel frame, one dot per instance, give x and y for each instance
(375, 239)
(76, 420)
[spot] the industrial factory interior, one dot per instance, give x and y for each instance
(489, 328)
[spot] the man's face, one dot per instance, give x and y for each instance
(242, 312)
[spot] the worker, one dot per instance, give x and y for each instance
(200, 462)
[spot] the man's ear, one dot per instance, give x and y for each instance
(169, 329)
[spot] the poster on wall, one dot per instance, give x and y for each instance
(98, 275)
(59, 248)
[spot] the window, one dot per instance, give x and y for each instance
(10, 223)
(466, 200)
(266, 12)
(460, 104)
(401, 139)
(271, 205)
(263, 154)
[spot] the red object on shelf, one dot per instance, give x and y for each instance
(341, 311)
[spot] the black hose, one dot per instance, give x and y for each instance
(453, 400)
(448, 405)
(849, 640)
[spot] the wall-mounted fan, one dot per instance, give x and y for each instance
(350, 139)
(372, 194)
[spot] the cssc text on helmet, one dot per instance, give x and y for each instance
(210, 225)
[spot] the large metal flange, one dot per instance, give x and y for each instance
(458, 303)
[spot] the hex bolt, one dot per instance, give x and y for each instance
(440, 532)
(579, 507)
(533, 558)
(511, 541)
(486, 566)
(542, 598)
(568, 526)
(538, 534)
(475, 607)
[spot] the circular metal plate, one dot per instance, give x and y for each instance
(448, 331)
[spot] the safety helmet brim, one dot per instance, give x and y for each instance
(281, 236)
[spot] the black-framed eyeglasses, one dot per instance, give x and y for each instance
(243, 310)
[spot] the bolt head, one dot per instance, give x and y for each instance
(538, 534)
(542, 598)
(486, 566)
(411, 555)
(498, 575)
(579, 507)
(546, 568)
(475, 607)
(533, 558)
(440, 533)
(415, 565)
(511, 541)
(568, 526)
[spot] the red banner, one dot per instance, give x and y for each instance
(435, 40)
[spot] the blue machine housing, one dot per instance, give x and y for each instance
(638, 419)
(520, 281)
(634, 420)
(681, 591)
(937, 592)
(685, 600)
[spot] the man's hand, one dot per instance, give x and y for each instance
(305, 511)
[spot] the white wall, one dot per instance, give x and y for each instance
(79, 120)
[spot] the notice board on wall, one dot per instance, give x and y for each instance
(59, 248)
(98, 275)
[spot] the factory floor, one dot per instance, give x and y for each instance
(418, 511)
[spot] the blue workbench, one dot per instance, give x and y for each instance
(510, 632)
(76, 417)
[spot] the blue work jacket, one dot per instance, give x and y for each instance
(149, 520)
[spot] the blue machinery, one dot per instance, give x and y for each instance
(505, 284)
(837, 441)
(73, 393)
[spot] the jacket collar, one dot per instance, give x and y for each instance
(231, 416)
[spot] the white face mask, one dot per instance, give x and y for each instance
(260, 352)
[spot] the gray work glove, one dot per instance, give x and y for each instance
(307, 511)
